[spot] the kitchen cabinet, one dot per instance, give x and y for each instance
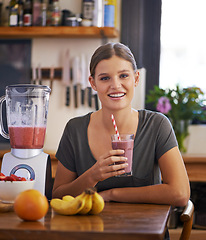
(58, 32)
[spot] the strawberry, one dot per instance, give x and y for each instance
(2, 178)
(16, 177)
(9, 178)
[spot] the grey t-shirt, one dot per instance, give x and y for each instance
(154, 137)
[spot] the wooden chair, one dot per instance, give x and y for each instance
(187, 218)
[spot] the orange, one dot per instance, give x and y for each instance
(31, 205)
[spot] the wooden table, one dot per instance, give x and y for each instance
(117, 221)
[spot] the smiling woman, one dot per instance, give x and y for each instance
(85, 154)
(114, 80)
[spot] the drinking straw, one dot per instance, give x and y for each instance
(115, 126)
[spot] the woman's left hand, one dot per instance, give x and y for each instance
(106, 195)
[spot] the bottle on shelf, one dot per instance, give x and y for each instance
(49, 13)
(98, 14)
(13, 13)
(5, 16)
(110, 13)
(43, 13)
(56, 13)
(28, 13)
(36, 13)
(20, 13)
(87, 12)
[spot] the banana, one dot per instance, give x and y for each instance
(88, 202)
(87, 199)
(97, 203)
(67, 207)
(68, 198)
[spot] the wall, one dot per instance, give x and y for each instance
(195, 142)
(50, 52)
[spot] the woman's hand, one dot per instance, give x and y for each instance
(106, 195)
(109, 165)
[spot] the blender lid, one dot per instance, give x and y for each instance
(22, 88)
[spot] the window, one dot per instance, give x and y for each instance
(183, 44)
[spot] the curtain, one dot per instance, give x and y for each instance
(140, 31)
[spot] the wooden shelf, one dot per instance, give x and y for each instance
(58, 32)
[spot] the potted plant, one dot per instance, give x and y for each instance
(181, 106)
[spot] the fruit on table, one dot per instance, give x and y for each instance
(68, 198)
(86, 197)
(97, 203)
(66, 207)
(88, 202)
(31, 205)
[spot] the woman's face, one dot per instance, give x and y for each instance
(114, 82)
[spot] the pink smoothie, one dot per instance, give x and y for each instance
(27, 137)
(127, 146)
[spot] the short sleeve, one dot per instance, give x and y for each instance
(65, 151)
(73, 146)
(166, 138)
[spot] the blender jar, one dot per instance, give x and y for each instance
(26, 109)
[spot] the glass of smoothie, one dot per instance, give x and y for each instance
(125, 142)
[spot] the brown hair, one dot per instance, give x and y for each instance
(107, 51)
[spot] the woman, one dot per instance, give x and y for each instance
(85, 154)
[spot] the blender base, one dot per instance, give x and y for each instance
(37, 168)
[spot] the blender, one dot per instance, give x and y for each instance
(26, 112)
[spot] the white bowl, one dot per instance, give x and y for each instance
(9, 190)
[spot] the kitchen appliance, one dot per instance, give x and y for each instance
(26, 112)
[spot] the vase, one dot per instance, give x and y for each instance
(181, 132)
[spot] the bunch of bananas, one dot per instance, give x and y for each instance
(88, 202)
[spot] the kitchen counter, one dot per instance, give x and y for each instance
(117, 221)
(195, 165)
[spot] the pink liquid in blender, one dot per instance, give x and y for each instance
(27, 137)
(127, 146)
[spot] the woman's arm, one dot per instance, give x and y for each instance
(175, 189)
(67, 183)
